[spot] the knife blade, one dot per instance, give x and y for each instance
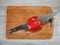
(45, 18)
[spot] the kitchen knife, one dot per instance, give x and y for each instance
(33, 24)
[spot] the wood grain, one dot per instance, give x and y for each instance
(17, 15)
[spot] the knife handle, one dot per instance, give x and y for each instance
(16, 29)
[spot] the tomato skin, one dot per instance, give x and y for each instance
(34, 24)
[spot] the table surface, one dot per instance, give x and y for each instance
(3, 41)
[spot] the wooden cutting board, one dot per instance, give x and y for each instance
(17, 15)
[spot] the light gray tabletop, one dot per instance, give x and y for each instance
(55, 40)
